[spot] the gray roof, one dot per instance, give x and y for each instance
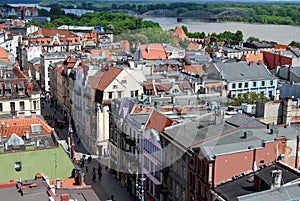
(35, 60)
(243, 71)
(30, 194)
(196, 129)
(290, 53)
(245, 185)
(287, 192)
(232, 139)
(243, 120)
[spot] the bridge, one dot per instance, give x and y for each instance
(194, 14)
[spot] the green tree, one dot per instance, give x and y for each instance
(185, 29)
(32, 22)
(252, 38)
(183, 43)
(294, 44)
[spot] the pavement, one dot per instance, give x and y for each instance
(108, 185)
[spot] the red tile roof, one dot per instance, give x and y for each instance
(17, 71)
(3, 55)
(105, 77)
(158, 121)
(193, 46)
(20, 126)
(153, 51)
(53, 32)
(180, 32)
(196, 69)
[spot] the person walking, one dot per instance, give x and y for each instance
(94, 176)
(99, 172)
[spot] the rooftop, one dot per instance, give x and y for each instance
(53, 162)
(245, 184)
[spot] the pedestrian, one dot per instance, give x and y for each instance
(90, 159)
(99, 168)
(99, 175)
(82, 163)
(94, 177)
(86, 168)
(94, 170)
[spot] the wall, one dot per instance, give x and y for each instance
(273, 60)
(229, 165)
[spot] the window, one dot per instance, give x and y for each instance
(246, 85)
(131, 93)
(124, 81)
(240, 85)
(233, 85)
(34, 105)
(1, 108)
(136, 93)
(115, 86)
(22, 105)
(263, 83)
(110, 95)
(119, 94)
(271, 83)
(254, 84)
(12, 107)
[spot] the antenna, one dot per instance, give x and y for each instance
(55, 164)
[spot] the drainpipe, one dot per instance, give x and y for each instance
(297, 152)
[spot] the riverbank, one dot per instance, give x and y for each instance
(282, 34)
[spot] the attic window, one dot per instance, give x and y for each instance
(124, 81)
(36, 128)
(115, 86)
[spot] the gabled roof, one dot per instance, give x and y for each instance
(20, 126)
(158, 121)
(194, 46)
(243, 71)
(243, 120)
(104, 77)
(50, 32)
(153, 51)
(3, 55)
(195, 69)
(180, 32)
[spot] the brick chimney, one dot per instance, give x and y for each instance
(64, 197)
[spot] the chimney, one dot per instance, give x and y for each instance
(147, 49)
(57, 183)
(275, 131)
(248, 134)
(276, 178)
(27, 135)
(64, 197)
(287, 109)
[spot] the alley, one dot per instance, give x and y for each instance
(108, 185)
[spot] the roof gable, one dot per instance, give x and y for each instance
(106, 76)
(158, 121)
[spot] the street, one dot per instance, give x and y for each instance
(108, 185)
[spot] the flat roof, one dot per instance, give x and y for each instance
(245, 185)
(53, 162)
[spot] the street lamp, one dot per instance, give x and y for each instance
(2, 126)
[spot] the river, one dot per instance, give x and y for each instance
(282, 34)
